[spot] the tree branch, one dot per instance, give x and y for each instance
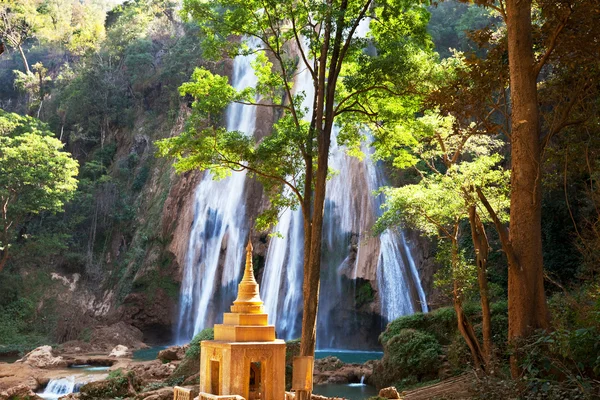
(501, 229)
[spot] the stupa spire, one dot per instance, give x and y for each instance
(248, 298)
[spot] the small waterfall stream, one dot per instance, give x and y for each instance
(219, 227)
(58, 387)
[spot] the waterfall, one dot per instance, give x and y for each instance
(350, 254)
(58, 387)
(219, 227)
(282, 293)
(397, 276)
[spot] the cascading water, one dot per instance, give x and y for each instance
(58, 387)
(350, 254)
(219, 227)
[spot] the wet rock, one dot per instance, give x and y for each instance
(70, 396)
(328, 364)
(389, 393)
(19, 392)
(120, 352)
(42, 357)
(332, 370)
(173, 353)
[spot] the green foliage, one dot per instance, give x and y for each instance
(194, 350)
(440, 322)
(42, 184)
(287, 157)
(570, 354)
(409, 356)
(190, 364)
(451, 22)
(364, 294)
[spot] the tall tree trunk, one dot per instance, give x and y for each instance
(25, 63)
(481, 245)
(527, 309)
(464, 325)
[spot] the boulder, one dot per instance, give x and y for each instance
(318, 397)
(173, 353)
(42, 357)
(330, 363)
(332, 370)
(19, 392)
(105, 338)
(165, 393)
(151, 371)
(75, 347)
(12, 375)
(121, 351)
(192, 380)
(120, 384)
(389, 393)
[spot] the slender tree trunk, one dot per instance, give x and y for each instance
(464, 325)
(481, 245)
(527, 309)
(25, 63)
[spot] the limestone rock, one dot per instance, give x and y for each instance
(389, 393)
(75, 347)
(120, 351)
(12, 375)
(332, 370)
(152, 371)
(318, 397)
(19, 392)
(173, 353)
(42, 357)
(105, 338)
(70, 396)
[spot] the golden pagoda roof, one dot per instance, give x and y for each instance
(247, 321)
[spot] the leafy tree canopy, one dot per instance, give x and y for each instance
(36, 175)
(289, 40)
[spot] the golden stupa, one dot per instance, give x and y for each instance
(245, 358)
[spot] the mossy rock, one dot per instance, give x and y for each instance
(118, 384)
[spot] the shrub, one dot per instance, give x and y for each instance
(414, 351)
(441, 323)
(194, 350)
(409, 357)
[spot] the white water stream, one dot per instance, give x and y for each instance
(58, 387)
(219, 223)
